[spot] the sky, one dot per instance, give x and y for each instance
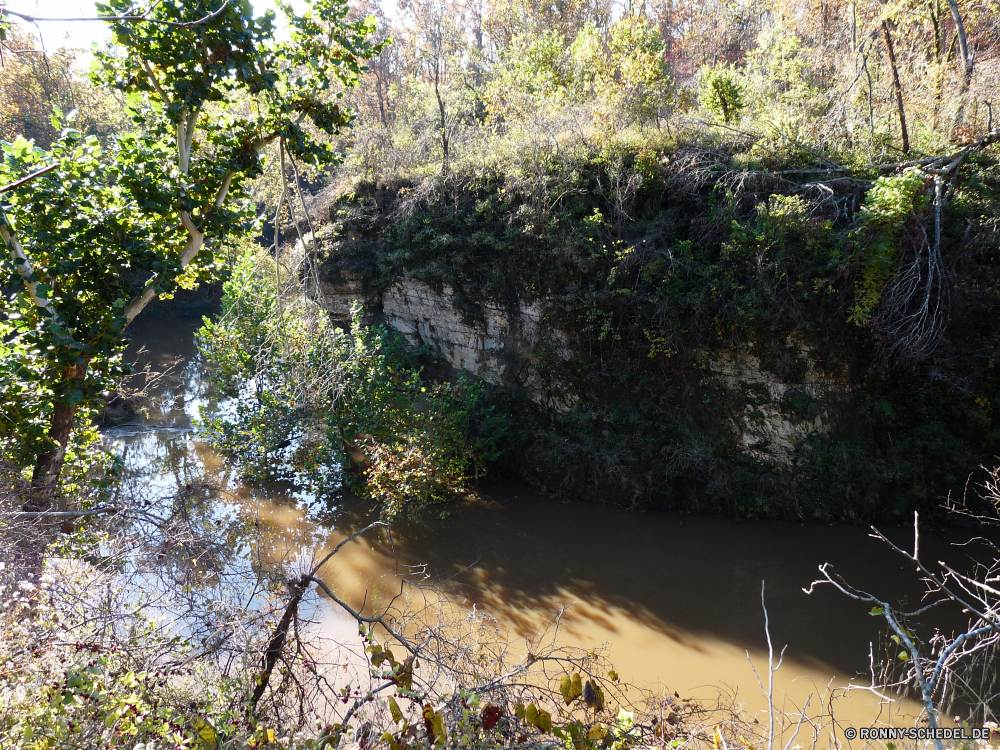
(80, 34)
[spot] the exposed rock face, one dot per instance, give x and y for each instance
(777, 416)
(773, 420)
(338, 298)
(498, 347)
(414, 309)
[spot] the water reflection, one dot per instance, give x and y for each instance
(676, 598)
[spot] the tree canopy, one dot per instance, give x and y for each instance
(101, 231)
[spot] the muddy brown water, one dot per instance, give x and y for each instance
(675, 599)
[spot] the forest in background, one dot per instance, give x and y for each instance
(827, 77)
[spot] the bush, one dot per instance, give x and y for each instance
(892, 203)
(721, 92)
(311, 403)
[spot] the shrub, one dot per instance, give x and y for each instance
(892, 202)
(721, 92)
(307, 401)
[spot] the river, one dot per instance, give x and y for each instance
(675, 599)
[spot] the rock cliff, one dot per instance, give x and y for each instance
(504, 349)
(683, 345)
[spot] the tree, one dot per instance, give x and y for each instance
(437, 28)
(32, 82)
(640, 79)
(721, 93)
(103, 232)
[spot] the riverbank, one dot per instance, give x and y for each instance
(675, 598)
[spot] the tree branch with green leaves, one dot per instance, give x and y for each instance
(91, 242)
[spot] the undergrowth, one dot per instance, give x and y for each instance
(657, 259)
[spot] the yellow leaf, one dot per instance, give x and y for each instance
(597, 732)
(435, 724)
(566, 688)
(397, 715)
(206, 734)
(439, 731)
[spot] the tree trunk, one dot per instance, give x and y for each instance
(381, 100)
(897, 87)
(963, 42)
(48, 465)
(444, 121)
(479, 56)
(936, 54)
(966, 63)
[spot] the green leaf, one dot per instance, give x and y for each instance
(543, 720)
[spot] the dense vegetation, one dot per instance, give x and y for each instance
(808, 187)
(348, 410)
(657, 257)
(683, 186)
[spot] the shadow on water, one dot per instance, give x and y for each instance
(676, 597)
(685, 577)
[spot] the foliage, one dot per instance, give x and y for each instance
(105, 233)
(72, 706)
(721, 93)
(667, 273)
(638, 77)
(101, 622)
(622, 72)
(893, 202)
(805, 80)
(539, 66)
(336, 399)
(32, 83)
(89, 233)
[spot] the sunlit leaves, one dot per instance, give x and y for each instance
(206, 92)
(571, 687)
(350, 408)
(86, 235)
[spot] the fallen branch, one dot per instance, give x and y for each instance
(277, 643)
